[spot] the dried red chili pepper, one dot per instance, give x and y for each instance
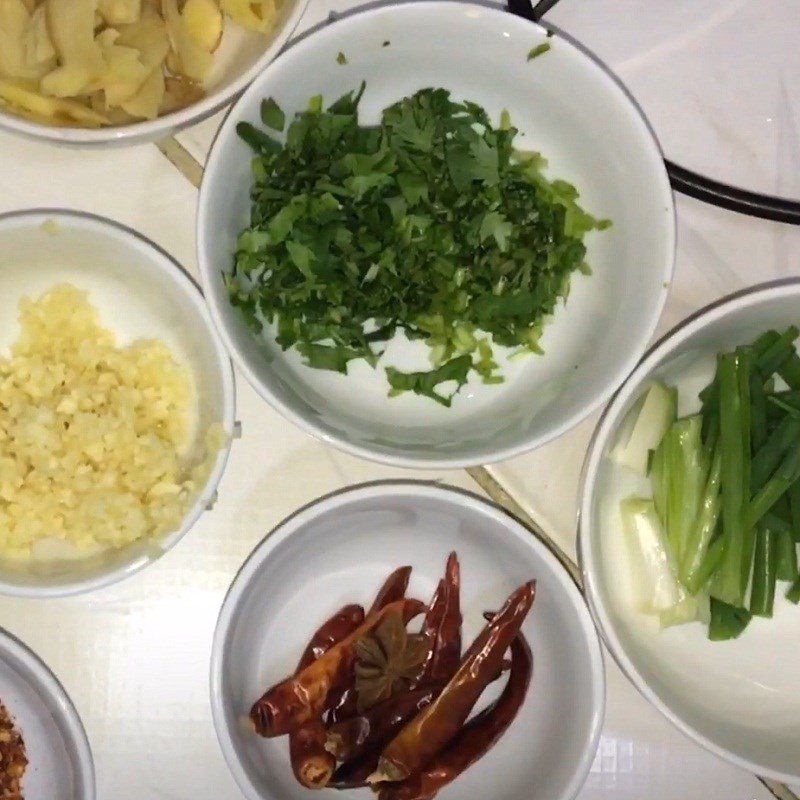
(475, 739)
(443, 626)
(331, 632)
(393, 589)
(369, 731)
(434, 727)
(301, 698)
(434, 613)
(312, 764)
(344, 703)
(353, 774)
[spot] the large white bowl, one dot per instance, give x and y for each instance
(140, 292)
(60, 759)
(739, 699)
(240, 56)
(572, 110)
(338, 550)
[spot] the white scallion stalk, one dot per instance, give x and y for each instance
(653, 571)
(690, 609)
(646, 427)
(654, 583)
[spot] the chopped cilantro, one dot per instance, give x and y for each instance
(258, 140)
(431, 221)
(341, 58)
(272, 115)
(539, 50)
(425, 383)
(325, 357)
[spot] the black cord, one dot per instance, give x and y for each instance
(525, 8)
(690, 183)
(719, 194)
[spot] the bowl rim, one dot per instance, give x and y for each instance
(600, 74)
(410, 488)
(609, 420)
(45, 680)
(191, 289)
(166, 125)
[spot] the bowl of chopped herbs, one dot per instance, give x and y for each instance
(435, 235)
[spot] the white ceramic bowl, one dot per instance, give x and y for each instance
(140, 292)
(740, 698)
(240, 56)
(60, 759)
(338, 550)
(576, 114)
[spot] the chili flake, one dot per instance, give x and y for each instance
(13, 759)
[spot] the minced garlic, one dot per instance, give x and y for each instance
(93, 436)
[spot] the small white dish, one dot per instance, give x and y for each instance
(572, 110)
(60, 760)
(739, 699)
(240, 57)
(339, 550)
(140, 292)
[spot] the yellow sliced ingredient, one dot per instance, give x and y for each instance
(14, 21)
(25, 100)
(203, 21)
(191, 59)
(147, 101)
(148, 35)
(99, 56)
(257, 16)
(119, 12)
(72, 24)
(125, 74)
(39, 51)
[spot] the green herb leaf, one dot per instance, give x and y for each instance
(302, 257)
(425, 383)
(258, 140)
(322, 356)
(496, 225)
(341, 58)
(272, 115)
(539, 50)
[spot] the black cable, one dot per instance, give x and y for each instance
(692, 184)
(719, 194)
(525, 8)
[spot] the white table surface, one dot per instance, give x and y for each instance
(720, 80)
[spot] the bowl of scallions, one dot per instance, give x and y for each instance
(690, 525)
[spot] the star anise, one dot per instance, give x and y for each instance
(387, 661)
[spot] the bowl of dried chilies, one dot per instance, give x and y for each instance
(329, 675)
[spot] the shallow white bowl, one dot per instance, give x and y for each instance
(240, 56)
(338, 550)
(572, 110)
(739, 699)
(61, 765)
(140, 292)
